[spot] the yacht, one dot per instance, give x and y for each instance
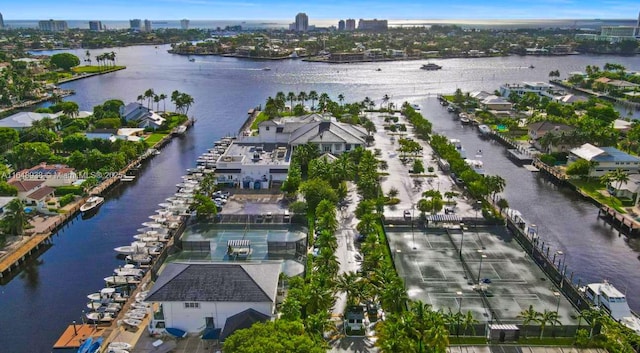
(484, 129)
(92, 205)
(266, 69)
(431, 67)
(607, 297)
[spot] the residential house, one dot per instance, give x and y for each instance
(496, 103)
(144, 116)
(626, 190)
(33, 191)
(622, 125)
(207, 296)
(616, 84)
(53, 175)
(542, 89)
(570, 98)
(25, 120)
(262, 161)
(606, 159)
(541, 128)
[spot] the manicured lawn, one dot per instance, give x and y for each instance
(260, 118)
(155, 138)
(95, 69)
(593, 187)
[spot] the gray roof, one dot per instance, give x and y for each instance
(216, 282)
(134, 111)
(24, 119)
(328, 131)
(241, 321)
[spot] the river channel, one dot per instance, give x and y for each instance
(50, 293)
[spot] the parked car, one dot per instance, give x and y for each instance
(407, 214)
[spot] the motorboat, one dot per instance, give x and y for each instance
(99, 317)
(484, 129)
(532, 67)
(192, 59)
(458, 145)
(132, 322)
(142, 259)
(608, 298)
(431, 67)
(415, 107)
(476, 165)
(119, 345)
(131, 249)
(128, 271)
(137, 315)
(127, 178)
(179, 130)
(464, 120)
(120, 280)
(92, 205)
(266, 69)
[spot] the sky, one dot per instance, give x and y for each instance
(319, 9)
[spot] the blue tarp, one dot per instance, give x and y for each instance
(211, 333)
(176, 332)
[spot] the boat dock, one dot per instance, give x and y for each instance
(75, 334)
(520, 156)
(623, 222)
(41, 235)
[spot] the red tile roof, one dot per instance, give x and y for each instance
(25, 185)
(41, 193)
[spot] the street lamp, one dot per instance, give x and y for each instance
(459, 296)
(461, 238)
(478, 206)
(560, 266)
(482, 256)
(557, 294)
(413, 236)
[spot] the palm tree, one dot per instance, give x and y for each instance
(15, 218)
(393, 296)
(547, 317)
(620, 176)
(140, 99)
(322, 101)
(319, 323)
(341, 99)
(156, 100)
(313, 96)
(163, 98)
(302, 97)
(468, 321)
(149, 94)
(291, 97)
(528, 316)
(348, 283)
(385, 99)
(593, 317)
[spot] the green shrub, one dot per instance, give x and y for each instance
(548, 159)
(66, 199)
(64, 190)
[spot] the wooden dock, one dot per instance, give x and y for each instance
(20, 255)
(625, 223)
(75, 334)
(559, 176)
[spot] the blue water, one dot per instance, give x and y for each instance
(45, 297)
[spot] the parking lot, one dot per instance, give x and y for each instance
(436, 272)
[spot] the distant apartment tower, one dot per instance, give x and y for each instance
(184, 23)
(95, 25)
(341, 25)
(302, 22)
(135, 24)
(372, 25)
(350, 24)
(53, 26)
(147, 26)
(1, 22)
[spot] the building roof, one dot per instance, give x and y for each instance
(328, 132)
(44, 169)
(24, 119)
(603, 154)
(545, 126)
(216, 282)
(26, 185)
(4, 200)
(134, 111)
(620, 124)
(242, 320)
(41, 193)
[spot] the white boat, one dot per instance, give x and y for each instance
(476, 165)
(179, 130)
(137, 272)
(119, 345)
(610, 299)
(132, 322)
(142, 259)
(458, 145)
(120, 280)
(130, 249)
(99, 317)
(464, 120)
(127, 178)
(484, 129)
(117, 350)
(135, 315)
(92, 204)
(415, 107)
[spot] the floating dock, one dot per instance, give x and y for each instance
(75, 334)
(519, 157)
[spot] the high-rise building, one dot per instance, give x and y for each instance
(350, 24)
(135, 24)
(95, 25)
(184, 23)
(372, 25)
(1, 22)
(302, 22)
(147, 26)
(53, 26)
(341, 25)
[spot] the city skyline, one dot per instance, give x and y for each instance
(330, 9)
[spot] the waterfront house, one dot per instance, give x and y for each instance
(202, 297)
(541, 128)
(53, 175)
(496, 103)
(24, 120)
(616, 84)
(33, 191)
(541, 89)
(144, 116)
(606, 159)
(627, 190)
(262, 161)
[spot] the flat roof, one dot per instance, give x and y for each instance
(257, 154)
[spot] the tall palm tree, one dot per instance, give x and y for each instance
(163, 98)
(348, 283)
(385, 99)
(620, 176)
(313, 96)
(302, 97)
(528, 316)
(15, 218)
(149, 94)
(156, 100)
(547, 317)
(341, 99)
(291, 97)
(394, 297)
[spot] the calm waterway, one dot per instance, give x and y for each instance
(50, 293)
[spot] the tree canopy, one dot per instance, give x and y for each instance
(65, 61)
(272, 336)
